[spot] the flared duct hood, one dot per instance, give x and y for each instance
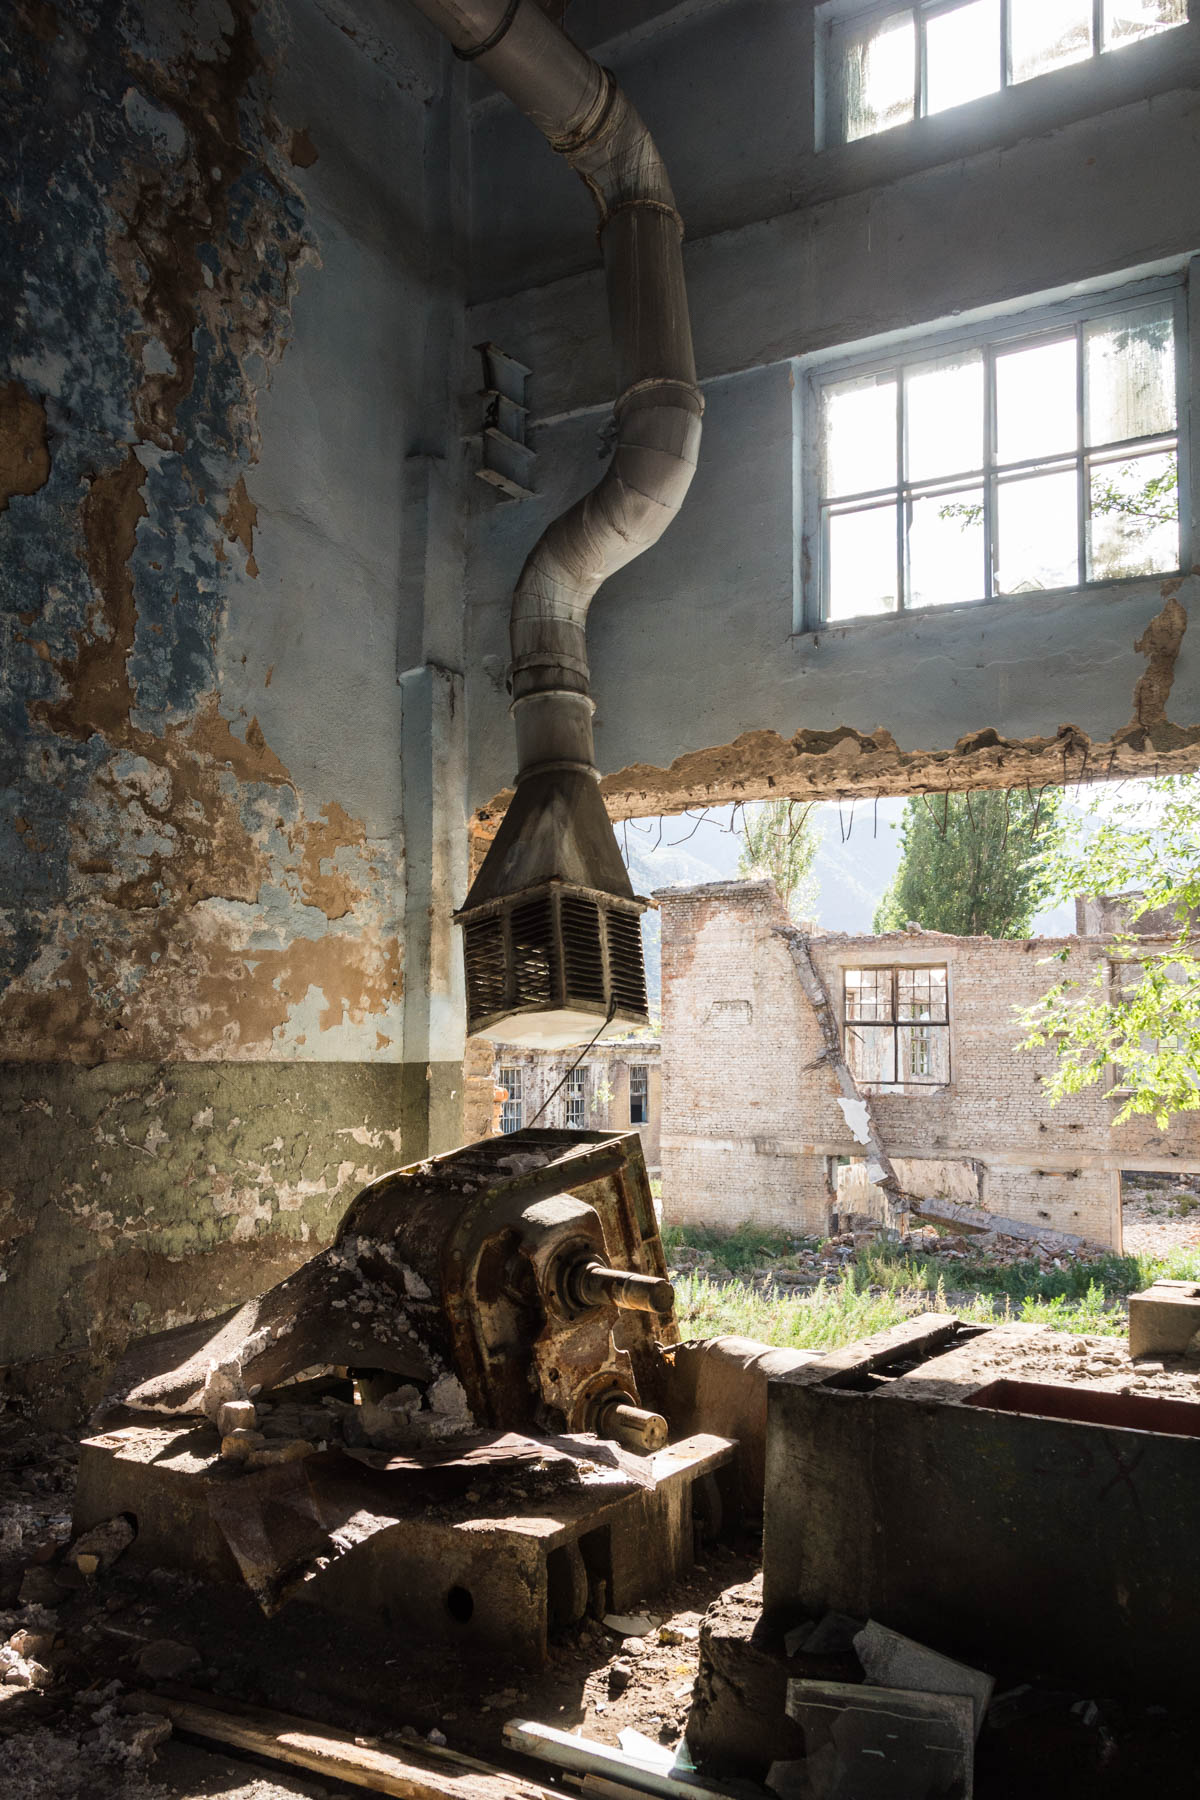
(551, 927)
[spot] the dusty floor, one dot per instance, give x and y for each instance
(67, 1739)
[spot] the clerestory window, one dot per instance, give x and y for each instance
(1040, 455)
(887, 65)
(897, 1027)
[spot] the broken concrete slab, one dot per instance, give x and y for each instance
(890, 1660)
(977, 1218)
(872, 1743)
(1164, 1318)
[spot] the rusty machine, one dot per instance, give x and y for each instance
(449, 1418)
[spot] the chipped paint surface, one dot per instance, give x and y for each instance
(168, 887)
(148, 1195)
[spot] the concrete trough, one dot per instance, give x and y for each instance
(979, 1490)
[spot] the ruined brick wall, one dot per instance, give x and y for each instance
(218, 297)
(736, 1031)
(751, 1112)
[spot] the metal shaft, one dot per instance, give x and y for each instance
(631, 1425)
(595, 1284)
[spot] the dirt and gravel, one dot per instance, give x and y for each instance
(1160, 1213)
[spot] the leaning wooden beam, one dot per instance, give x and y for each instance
(419, 1774)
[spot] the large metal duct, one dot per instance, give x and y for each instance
(551, 926)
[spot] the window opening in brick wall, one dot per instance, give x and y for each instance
(897, 1027)
(513, 1110)
(886, 65)
(577, 1100)
(639, 1093)
(1041, 455)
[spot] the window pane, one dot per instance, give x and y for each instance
(1134, 528)
(1129, 367)
(868, 993)
(962, 54)
(862, 563)
(1037, 543)
(946, 548)
(1036, 401)
(879, 75)
(921, 993)
(943, 422)
(860, 435)
(1047, 34)
(1125, 20)
(871, 1052)
(923, 1053)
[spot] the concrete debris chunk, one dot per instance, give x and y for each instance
(236, 1415)
(889, 1660)
(869, 1743)
(620, 1674)
(236, 1445)
(100, 1547)
(269, 1456)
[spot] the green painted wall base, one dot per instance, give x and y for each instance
(137, 1196)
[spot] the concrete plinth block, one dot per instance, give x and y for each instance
(889, 1660)
(1164, 1319)
(875, 1743)
(738, 1724)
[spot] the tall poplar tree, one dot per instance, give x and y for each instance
(965, 866)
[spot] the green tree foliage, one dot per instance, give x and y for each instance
(967, 865)
(1139, 1012)
(779, 844)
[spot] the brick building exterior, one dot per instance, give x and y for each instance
(752, 1126)
(617, 1085)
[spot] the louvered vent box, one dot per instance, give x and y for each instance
(547, 964)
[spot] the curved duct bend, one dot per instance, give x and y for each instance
(551, 926)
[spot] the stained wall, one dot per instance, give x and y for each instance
(229, 300)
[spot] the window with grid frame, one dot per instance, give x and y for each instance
(896, 1025)
(1043, 454)
(888, 65)
(577, 1100)
(639, 1093)
(512, 1078)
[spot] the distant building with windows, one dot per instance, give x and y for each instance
(617, 1086)
(758, 1126)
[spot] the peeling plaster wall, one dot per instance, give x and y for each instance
(225, 312)
(1075, 177)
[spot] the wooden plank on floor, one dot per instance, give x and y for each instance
(419, 1774)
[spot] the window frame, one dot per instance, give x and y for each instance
(575, 1104)
(839, 19)
(643, 1071)
(515, 1099)
(894, 970)
(990, 335)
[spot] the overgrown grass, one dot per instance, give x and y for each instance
(749, 1247)
(884, 1286)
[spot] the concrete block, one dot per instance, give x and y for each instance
(1164, 1319)
(889, 1660)
(876, 1743)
